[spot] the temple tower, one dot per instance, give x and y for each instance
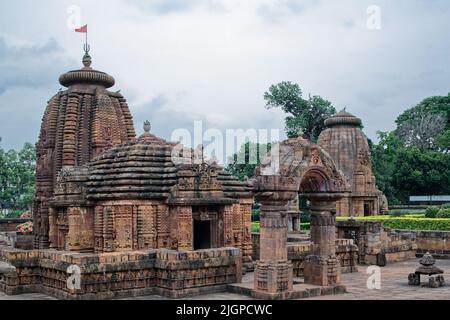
(79, 123)
(347, 145)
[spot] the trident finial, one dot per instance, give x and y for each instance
(86, 48)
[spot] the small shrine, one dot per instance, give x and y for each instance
(436, 278)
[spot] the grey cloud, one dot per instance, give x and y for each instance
(280, 9)
(30, 66)
(164, 7)
(164, 120)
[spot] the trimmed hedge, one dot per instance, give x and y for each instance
(412, 222)
(256, 226)
(408, 223)
(431, 212)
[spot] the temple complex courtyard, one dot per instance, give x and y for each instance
(394, 286)
(106, 206)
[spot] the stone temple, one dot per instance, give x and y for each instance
(141, 216)
(78, 124)
(134, 197)
(344, 140)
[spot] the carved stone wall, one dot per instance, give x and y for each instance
(347, 145)
(78, 124)
(113, 275)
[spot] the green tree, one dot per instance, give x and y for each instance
(414, 159)
(384, 155)
(17, 175)
(421, 172)
(305, 116)
(249, 156)
(426, 125)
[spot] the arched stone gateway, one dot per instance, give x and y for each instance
(297, 167)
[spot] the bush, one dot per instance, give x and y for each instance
(305, 226)
(397, 213)
(443, 214)
(26, 227)
(431, 212)
(256, 214)
(446, 206)
(407, 223)
(305, 217)
(256, 226)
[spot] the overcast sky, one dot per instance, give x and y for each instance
(177, 61)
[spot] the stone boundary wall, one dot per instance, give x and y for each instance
(8, 225)
(377, 245)
(8, 238)
(18, 241)
(346, 252)
(113, 275)
(435, 242)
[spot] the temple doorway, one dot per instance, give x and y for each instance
(367, 209)
(208, 227)
(202, 234)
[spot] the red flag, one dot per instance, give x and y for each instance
(83, 29)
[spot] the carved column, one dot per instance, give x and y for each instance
(185, 228)
(247, 244)
(273, 272)
(322, 266)
(53, 228)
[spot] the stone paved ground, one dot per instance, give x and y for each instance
(394, 285)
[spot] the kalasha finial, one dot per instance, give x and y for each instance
(87, 60)
(147, 126)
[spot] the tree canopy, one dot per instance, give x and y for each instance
(427, 125)
(414, 159)
(305, 116)
(249, 156)
(17, 175)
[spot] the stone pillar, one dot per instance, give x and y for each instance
(185, 228)
(273, 272)
(322, 267)
(53, 228)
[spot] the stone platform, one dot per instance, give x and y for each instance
(174, 274)
(394, 286)
(300, 290)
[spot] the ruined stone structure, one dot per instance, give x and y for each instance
(134, 197)
(78, 124)
(347, 145)
(297, 166)
(146, 216)
(427, 267)
(133, 216)
(377, 245)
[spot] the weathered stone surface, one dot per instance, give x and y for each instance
(347, 145)
(78, 124)
(114, 275)
(297, 167)
(6, 268)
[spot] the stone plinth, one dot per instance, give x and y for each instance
(169, 273)
(322, 267)
(273, 272)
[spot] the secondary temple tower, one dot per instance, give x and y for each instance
(347, 145)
